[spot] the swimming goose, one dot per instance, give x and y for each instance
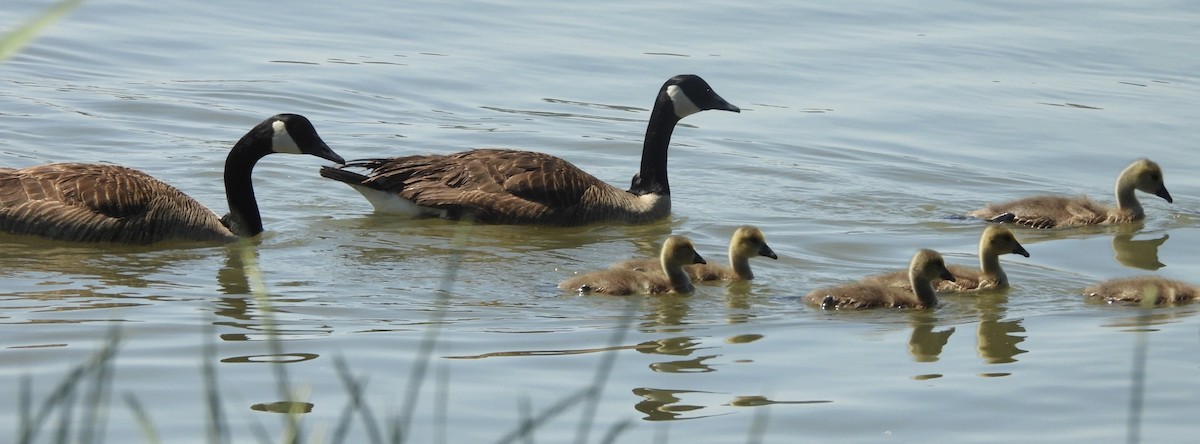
(1057, 211)
(995, 241)
(1133, 289)
(926, 266)
(747, 242)
(677, 251)
(85, 202)
(522, 187)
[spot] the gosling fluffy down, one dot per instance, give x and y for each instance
(747, 242)
(926, 266)
(996, 240)
(1058, 211)
(677, 251)
(1133, 289)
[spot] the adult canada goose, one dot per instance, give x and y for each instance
(522, 187)
(1058, 211)
(84, 202)
(677, 251)
(995, 241)
(926, 266)
(747, 242)
(1133, 289)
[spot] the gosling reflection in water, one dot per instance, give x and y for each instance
(667, 405)
(1141, 254)
(925, 344)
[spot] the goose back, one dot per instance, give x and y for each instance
(101, 203)
(497, 186)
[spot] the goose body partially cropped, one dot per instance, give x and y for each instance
(1135, 289)
(84, 202)
(505, 186)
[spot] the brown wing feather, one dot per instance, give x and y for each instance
(100, 203)
(493, 184)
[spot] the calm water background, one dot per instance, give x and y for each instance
(864, 125)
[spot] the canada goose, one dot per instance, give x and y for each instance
(926, 266)
(523, 187)
(677, 251)
(84, 202)
(747, 242)
(995, 241)
(1132, 289)
(1057, 211)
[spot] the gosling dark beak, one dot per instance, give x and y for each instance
(766, 251)
(1162, 192)
(698, 259)
(946, 275)
(1020, 250)
(320, 149)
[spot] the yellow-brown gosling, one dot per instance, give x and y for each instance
(87, 202)
(1133, 289)
(996, 240)
(1058, 211)
(747, 242)
(504, 186)
(677, 251)
(926, 266)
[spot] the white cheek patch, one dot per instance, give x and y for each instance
(282, 142)
(683, 104)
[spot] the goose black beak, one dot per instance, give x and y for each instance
(766, 251)
(698, 259)
(721, 104)
(946, 275)
(1162, 192)
(320, 149)
(1020, 250)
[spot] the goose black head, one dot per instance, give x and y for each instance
(294, 134)
(690, 94)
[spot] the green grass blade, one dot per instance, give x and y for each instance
(14, 41)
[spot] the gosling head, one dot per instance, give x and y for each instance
(678, 251)
(1147, 178)
(997, 240)
(690, 94)
(749, 241)
(929, 265)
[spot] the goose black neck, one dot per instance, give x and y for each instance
(245, 221)
(652, 178)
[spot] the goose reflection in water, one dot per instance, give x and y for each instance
(668, 405)
(1141, 253)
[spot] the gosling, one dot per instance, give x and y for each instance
(996, 240)
(1058, 211)
(747, 242)
(677, 251)
(926, 266)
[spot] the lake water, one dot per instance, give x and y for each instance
(864, 125)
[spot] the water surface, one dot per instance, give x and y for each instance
(864, 126)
